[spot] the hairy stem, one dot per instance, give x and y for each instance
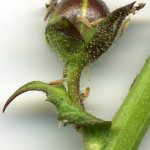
(73, 72)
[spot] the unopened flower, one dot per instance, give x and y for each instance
(80, 31)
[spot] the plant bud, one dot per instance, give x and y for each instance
(82, 30)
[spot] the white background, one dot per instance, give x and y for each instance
(30, 123)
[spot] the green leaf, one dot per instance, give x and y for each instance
(67, 110)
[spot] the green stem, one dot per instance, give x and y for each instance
(95, 137)
(130, 123)
(133, 118)
(73, 72)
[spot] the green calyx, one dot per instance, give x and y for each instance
(72, 43)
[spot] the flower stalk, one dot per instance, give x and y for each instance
(73, 73)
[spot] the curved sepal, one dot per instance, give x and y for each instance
(68, 111)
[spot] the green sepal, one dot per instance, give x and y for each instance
(67, 110)
(67, 44)
(106, 32)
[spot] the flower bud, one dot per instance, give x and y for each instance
(82, 30)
